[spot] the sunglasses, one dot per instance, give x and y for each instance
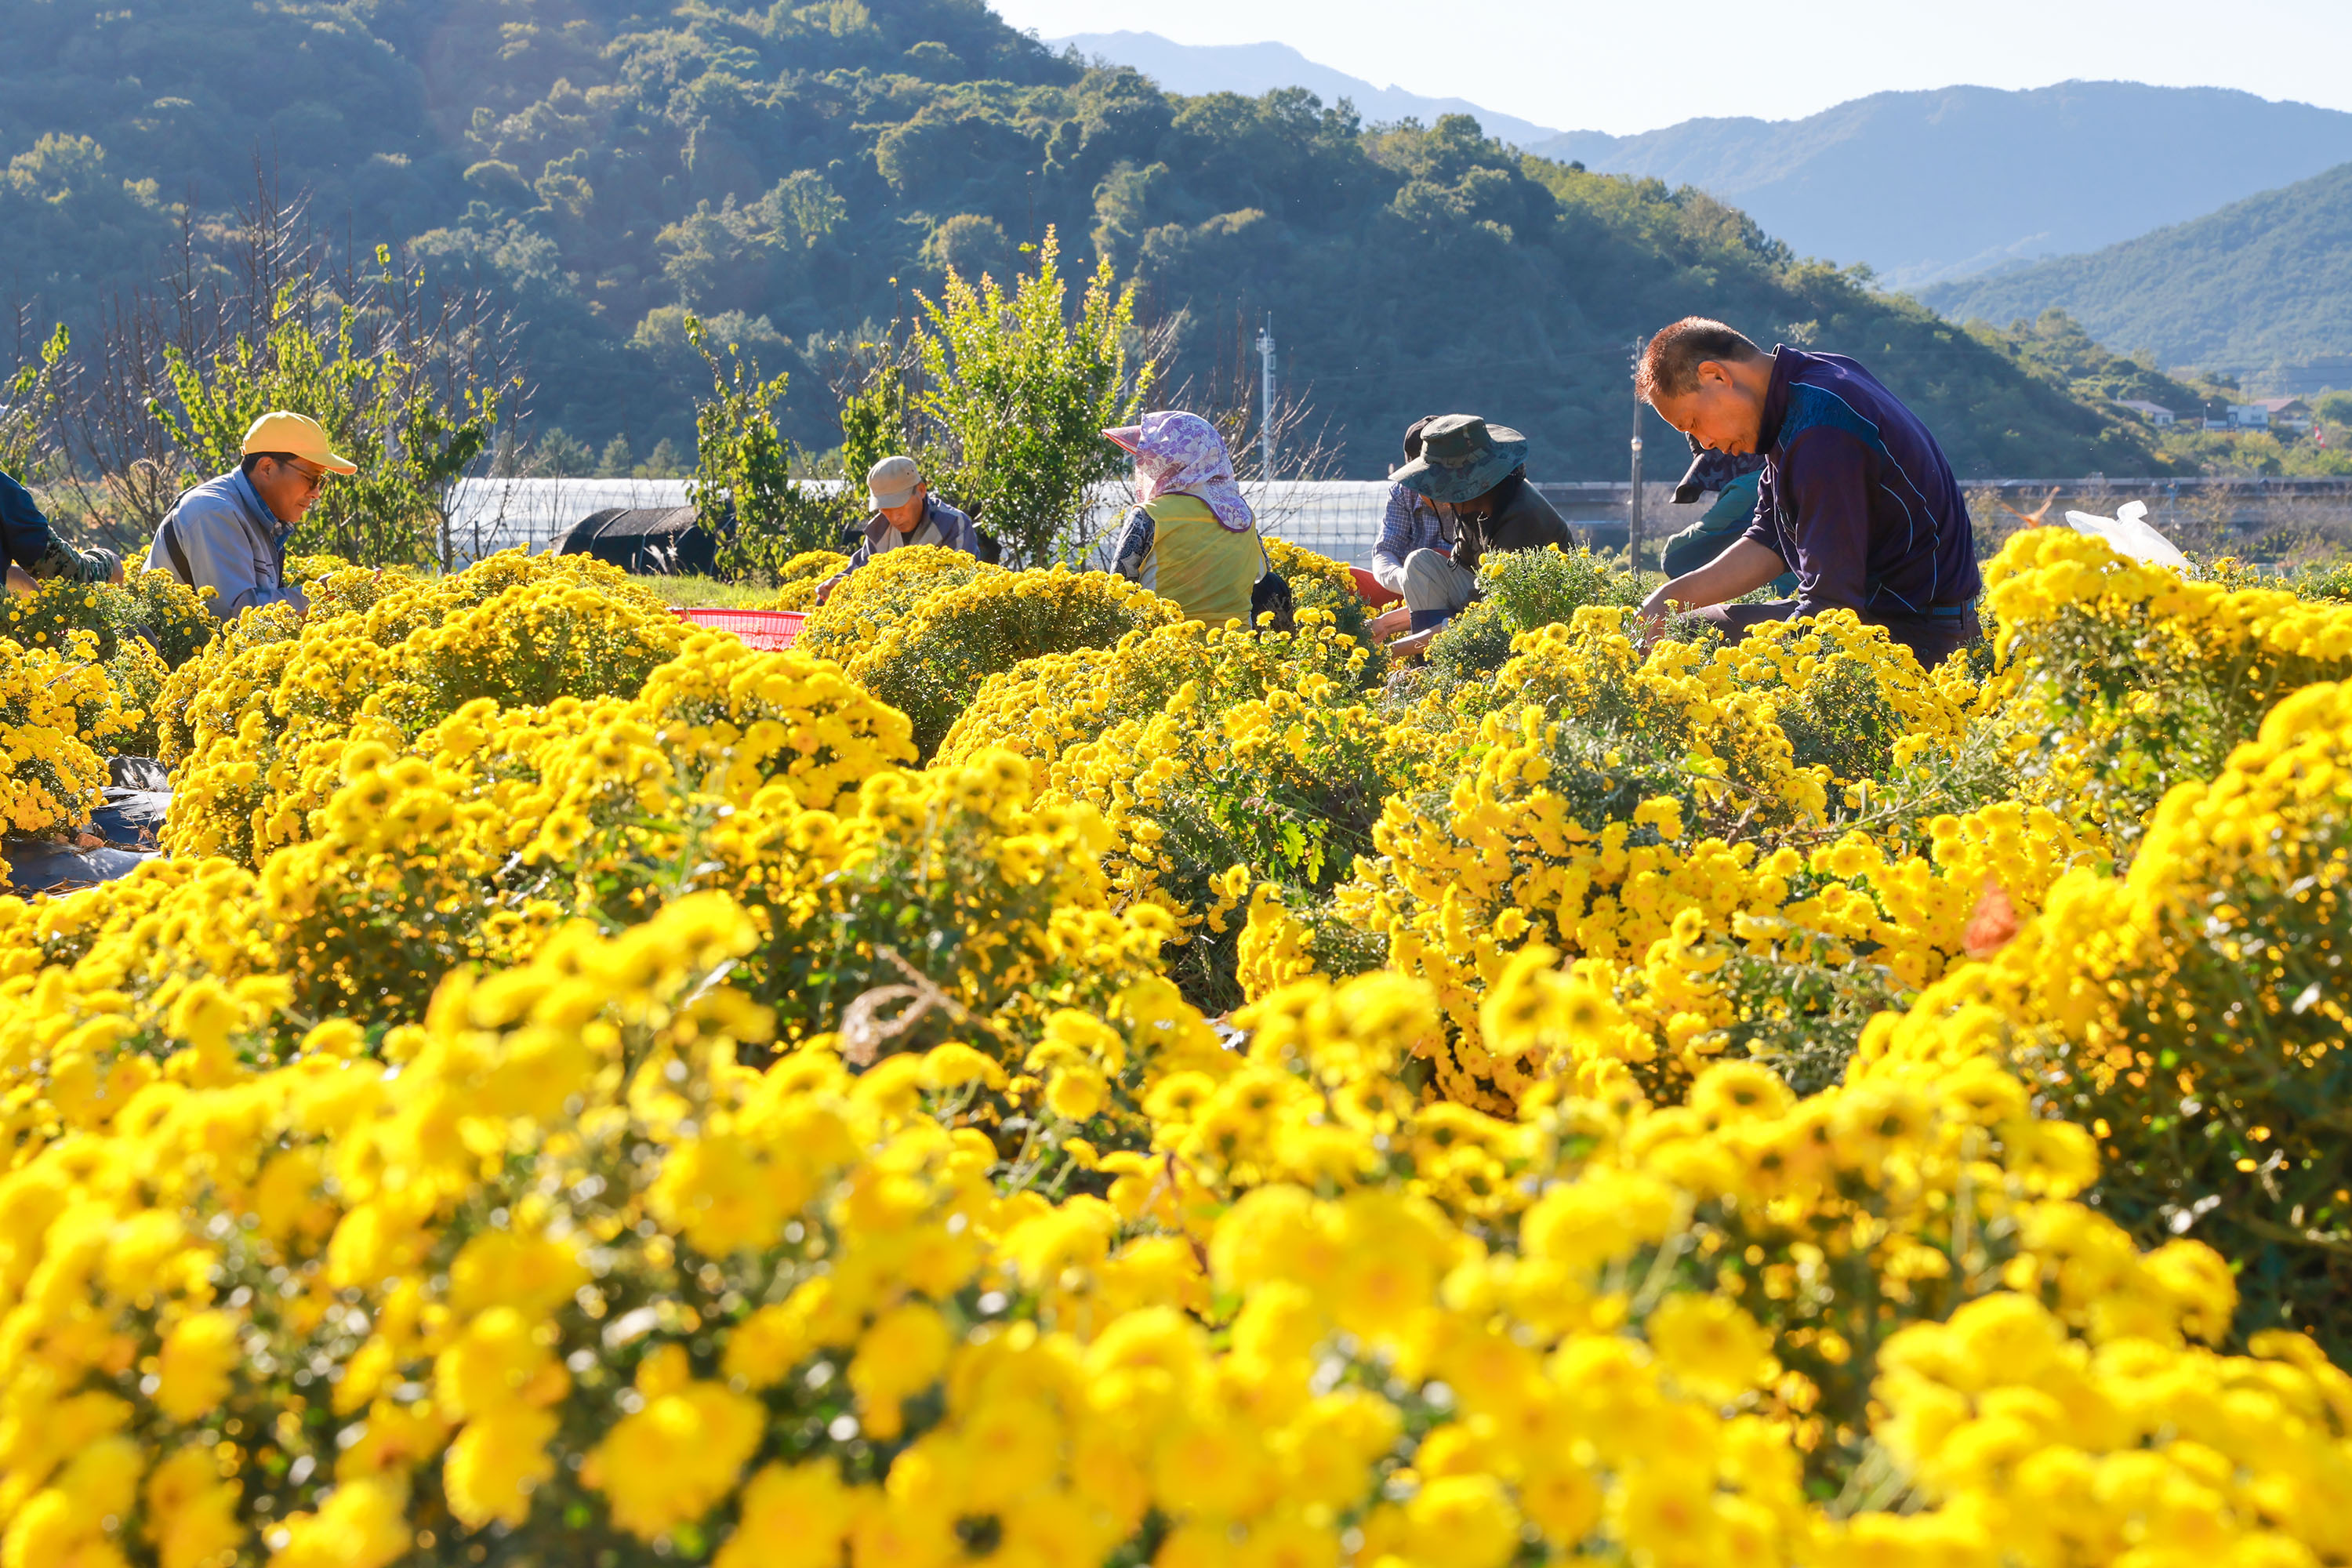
(313, 479)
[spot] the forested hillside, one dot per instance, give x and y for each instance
(605, 167)
(2262, 282)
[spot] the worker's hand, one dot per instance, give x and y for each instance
(825, 589)
(21, 581)
(1657, 606)
(115, 576)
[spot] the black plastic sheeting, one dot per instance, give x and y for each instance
(662, 541)
(129, 819)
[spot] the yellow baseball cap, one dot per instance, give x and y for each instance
(299, 433)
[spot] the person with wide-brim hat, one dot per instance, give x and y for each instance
(1480, 472)
(229, 534)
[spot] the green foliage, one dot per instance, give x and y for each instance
(558, 454)
(1016, 395)
(707, 592)
(873, 425)
(411, 432)
(1844, 722)
(2056, 347)
(1519, 592)
(743, 471)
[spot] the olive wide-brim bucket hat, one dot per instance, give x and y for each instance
(1461, 458)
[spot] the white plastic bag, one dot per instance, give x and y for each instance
(2128, 534)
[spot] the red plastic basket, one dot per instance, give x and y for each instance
(1369, 587)
(770, 630)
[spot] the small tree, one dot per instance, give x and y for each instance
(743, 465)
(1016, 397)
(873, 423)
(31, 399)
(411, 435)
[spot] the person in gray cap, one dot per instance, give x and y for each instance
(1479, 470)
(905, 512)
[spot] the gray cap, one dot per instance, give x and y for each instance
(892, 481)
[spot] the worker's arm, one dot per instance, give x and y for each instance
(33, 552)
(1131, 557)
(1395, 542)
(858, 557)
(1743, 568)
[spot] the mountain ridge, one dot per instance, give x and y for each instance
(1965, 180)
(2261, 283)
(1253, 70)
(1961, 180)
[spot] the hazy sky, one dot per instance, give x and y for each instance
(1579, 66)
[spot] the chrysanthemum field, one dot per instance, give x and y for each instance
(1020, 1081)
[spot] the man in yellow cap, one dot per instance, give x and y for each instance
(229, 534)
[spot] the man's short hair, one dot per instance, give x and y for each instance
(280, 459)
(1670, 363)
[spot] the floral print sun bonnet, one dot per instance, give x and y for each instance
(1182, 453)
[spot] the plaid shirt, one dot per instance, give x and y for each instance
(1411, 523)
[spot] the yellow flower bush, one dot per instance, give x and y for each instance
(931, 661)
(1318, 583)
(270, 704)
(798, 578)
(58, 717)
(2126, 678)
(575, 1272)
(871, 598)
(1205, 750)
(2193, 1013)
(579, 1093)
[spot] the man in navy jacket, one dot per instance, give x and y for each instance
(1856, 497)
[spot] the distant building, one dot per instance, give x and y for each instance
(2156, 414)
(2248, 416)
(2289, 412)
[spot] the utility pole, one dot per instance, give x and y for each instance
(1633, 509)
(1265, 400)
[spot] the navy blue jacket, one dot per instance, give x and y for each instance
(1856, 495)
(24, 531)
